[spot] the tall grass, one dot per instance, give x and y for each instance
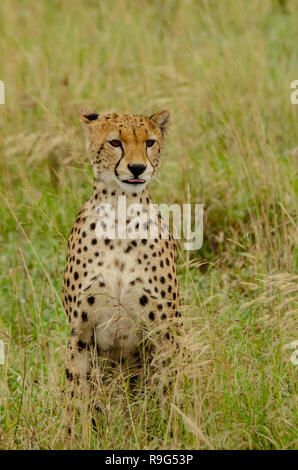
(224, 68)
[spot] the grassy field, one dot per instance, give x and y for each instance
(224, 68)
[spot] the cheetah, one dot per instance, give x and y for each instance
(121, 295)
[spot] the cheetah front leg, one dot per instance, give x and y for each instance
(83, 375)
(80, 365)
(164, 365)
(163, 349)
(78, 362)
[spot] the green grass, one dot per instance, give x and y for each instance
(224, 68)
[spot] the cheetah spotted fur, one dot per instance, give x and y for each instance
(120, 294)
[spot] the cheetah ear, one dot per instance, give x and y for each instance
(87, 115)
(163, 120)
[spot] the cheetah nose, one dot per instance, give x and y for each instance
(137, 169)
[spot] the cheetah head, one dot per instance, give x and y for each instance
(125, 148)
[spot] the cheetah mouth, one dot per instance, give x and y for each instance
(134, 181)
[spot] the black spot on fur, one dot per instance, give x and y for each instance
(91, 117)
(91, 300)
(151, 316)
(143, 300)
(69, 375)
(84, 316)
(81, 345)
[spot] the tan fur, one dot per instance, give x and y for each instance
(119, 295)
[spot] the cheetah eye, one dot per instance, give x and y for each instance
(150, 143)
(115, 143)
